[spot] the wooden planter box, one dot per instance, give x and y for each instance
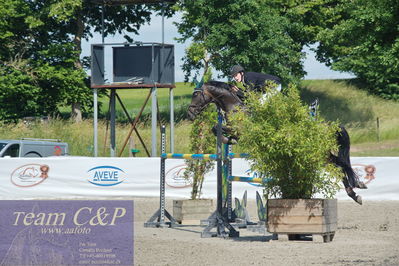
(302, 217)
(192, 211)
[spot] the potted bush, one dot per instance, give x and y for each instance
(202, 141)
(289, 147)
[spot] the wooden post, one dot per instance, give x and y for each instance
(132, 146)
(378, 129)
(113, 123)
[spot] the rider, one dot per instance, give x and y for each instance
(252, 81)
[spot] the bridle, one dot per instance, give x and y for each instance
(195, 106)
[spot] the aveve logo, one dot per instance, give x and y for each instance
(106, 176)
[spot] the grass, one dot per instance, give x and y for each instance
(339, 99)
(359, 112)
(134, 99)
(79, 136)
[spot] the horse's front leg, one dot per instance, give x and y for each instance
(227, 137)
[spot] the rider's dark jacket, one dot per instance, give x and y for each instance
(254, 81)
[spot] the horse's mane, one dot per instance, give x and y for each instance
(222, 88)
(218, 84)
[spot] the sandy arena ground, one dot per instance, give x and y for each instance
(366, 235)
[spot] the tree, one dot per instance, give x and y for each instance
(20, 90)
(252, 33)
(363, 38)
(17, 87)
(43, 38)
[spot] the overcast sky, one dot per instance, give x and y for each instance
(153, 33)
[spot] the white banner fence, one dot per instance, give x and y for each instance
(87, 177)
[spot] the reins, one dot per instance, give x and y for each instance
(203, 97)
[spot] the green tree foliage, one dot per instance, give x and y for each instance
(40, 47)
(37, 54)
(288, 146)
(252, 33)
(363, 38)
(359, 36)
(16, 87)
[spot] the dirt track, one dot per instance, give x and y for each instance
(367, 235)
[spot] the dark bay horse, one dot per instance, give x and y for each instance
(220, 94)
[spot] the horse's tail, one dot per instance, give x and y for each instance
(343, 158)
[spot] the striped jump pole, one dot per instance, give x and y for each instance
(217, 220)
(189, 156)
(227, 187)
(248, 179)
(233, 155)
(158, 219)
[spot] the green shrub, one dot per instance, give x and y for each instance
(202, 141)
(288, 146)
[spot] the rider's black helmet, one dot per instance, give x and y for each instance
(236, 69)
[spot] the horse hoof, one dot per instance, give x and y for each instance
(359, 199)
(361, 185)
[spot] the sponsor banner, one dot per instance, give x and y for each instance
(74, 232)
(78, 177)
(380, 175)
(29, 175)
(87, 177)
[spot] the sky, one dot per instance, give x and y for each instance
(153, 33)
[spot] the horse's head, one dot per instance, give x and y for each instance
(200, 99)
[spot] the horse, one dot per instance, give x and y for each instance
(223, 97)
(218, 93)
